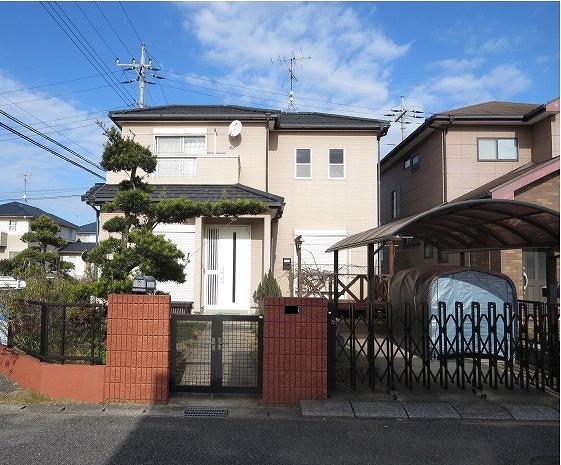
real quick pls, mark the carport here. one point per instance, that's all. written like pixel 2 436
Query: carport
pixel 466 226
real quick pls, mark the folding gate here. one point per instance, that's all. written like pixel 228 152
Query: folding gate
pixel 216 353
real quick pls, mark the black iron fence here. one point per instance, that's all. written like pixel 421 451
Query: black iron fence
pixel 480 346
pixel 60 332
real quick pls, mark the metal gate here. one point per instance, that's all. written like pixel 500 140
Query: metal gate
pixel 216 353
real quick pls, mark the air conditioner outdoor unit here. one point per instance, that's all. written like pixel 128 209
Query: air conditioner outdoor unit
pixel 3 239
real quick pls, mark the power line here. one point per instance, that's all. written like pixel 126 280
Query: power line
pixel 13 91
pixel 113 29
pixel 96 30
pixel 130 22
pixel 6 139
pixel 95 66
pixel 99 59
pixel 48 149
pixel 140 70
pixel 60 95
pixel 50 139
pixel 43 198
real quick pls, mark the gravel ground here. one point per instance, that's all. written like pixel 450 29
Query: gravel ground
pixel 6 385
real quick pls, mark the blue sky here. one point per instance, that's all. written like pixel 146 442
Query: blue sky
pixel 364 57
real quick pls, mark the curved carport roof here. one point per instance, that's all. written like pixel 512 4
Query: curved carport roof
pixel 482 224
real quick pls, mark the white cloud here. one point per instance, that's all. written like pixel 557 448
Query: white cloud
pixel 48 173
pixel 351 57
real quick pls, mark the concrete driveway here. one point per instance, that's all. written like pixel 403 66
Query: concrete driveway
pixel 43 436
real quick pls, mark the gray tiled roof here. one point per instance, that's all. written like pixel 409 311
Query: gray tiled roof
pixel 101 193
pixel 88 228
pixel 18 209
pixel 76 247
pixel 493 108
pixel 311 120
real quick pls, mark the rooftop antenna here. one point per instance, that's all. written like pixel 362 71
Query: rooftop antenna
pixel 26 177
pixel 403 114
pixel 292 62
pixel 141 75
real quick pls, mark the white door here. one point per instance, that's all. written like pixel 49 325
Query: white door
pixel 183 236
pixel 227 273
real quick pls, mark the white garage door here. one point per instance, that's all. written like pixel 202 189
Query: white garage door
pixel 316 242
pixel 182 235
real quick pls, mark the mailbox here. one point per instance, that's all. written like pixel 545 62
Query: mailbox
pixel 286 264
pixel 144 285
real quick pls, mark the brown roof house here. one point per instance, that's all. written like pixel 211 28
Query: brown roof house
pixel 496 150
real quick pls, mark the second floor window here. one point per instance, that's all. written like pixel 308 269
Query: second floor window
pixel 13 225
pixel 336 163
pixel 180 145
pixel 411 162
pixel 489 149
pixel 396 203
pixel 303 168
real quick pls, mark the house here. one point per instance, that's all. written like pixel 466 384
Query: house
pixel 73 252
pixel 490 150
pixel 15 221
pixel 317 173
pixel 87 232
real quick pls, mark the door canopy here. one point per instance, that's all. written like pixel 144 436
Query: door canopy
pixel 482 224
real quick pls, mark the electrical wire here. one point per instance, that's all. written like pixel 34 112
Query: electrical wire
pixel 50 139
pixel 113 29
pixel 48 149
pixel 130 22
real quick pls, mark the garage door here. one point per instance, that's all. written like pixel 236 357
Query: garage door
pixel 183 236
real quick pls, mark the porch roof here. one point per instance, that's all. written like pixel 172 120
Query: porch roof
pixel 481 224
pixel 101 193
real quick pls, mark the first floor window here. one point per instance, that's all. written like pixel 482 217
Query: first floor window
pixel 303 164
pixel 428 251
pixel 396 203
pixel 497 149
pixel 336 163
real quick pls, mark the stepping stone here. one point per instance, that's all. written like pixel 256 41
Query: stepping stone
pixel 532 412
pixel 326 408
pixel 428 410
pixel 481 411
pixel 379 410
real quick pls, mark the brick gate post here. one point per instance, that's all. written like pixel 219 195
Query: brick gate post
pixel 137 360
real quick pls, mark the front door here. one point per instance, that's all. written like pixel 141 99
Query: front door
pixel 227 271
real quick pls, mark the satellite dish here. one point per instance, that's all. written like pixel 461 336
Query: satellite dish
pixel 235 128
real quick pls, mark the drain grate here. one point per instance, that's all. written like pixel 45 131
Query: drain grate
pixel 206 412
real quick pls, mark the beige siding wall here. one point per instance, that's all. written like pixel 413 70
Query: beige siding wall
pixel 321 203
pixel 464 172
pixel 232 160
pixel 420 190
pixel 542 139
pixel 14 242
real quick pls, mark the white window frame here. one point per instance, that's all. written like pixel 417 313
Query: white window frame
pixel 181 156
pixel 496 140
pixel 329 164
pixel 12 225
pixel 296 163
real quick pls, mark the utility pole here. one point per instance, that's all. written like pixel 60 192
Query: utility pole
pixel 26 177
pixel 140 69
pixel 402 114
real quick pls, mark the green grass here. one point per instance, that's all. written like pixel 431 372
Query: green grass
pixel 25 397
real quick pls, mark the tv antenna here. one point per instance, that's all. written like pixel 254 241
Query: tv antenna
pixel 141 75
pixel 293 61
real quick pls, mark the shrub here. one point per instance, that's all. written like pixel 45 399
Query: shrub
pixel 268 287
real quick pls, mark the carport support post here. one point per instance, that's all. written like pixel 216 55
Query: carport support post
pixel 336 279
pixel 551 276
pixel 391 258
pixel 370 271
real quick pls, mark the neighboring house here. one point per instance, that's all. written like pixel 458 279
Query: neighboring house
pixel 489 150
pixel 87 232
pixel 316 172
pixel 73 253
pixel 15 221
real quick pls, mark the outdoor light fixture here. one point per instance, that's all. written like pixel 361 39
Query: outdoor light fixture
pixel 144 285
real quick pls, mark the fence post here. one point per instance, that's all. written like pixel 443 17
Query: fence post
pixel 353 341
pixel 331 351
pixel 43 345
pixel 63 334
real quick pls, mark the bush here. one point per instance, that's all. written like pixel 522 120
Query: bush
pixel 267 288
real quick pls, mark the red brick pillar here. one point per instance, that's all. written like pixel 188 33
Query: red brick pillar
pixel 294 350
pixel 137 362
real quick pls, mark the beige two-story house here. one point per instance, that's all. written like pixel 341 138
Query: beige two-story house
pixel 489 150
pixel 316 172
pixel 15 221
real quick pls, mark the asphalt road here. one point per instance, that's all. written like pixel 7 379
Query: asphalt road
pixel 121 439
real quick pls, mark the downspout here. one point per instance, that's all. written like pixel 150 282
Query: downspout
pixel 268 115
pixel 444 169
pixel 215 132
pixel 378 181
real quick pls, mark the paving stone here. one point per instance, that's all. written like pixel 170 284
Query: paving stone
pixel 430 410
pixel 532 412
pixel 326 408
pixel 481 411
pixel 379 410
